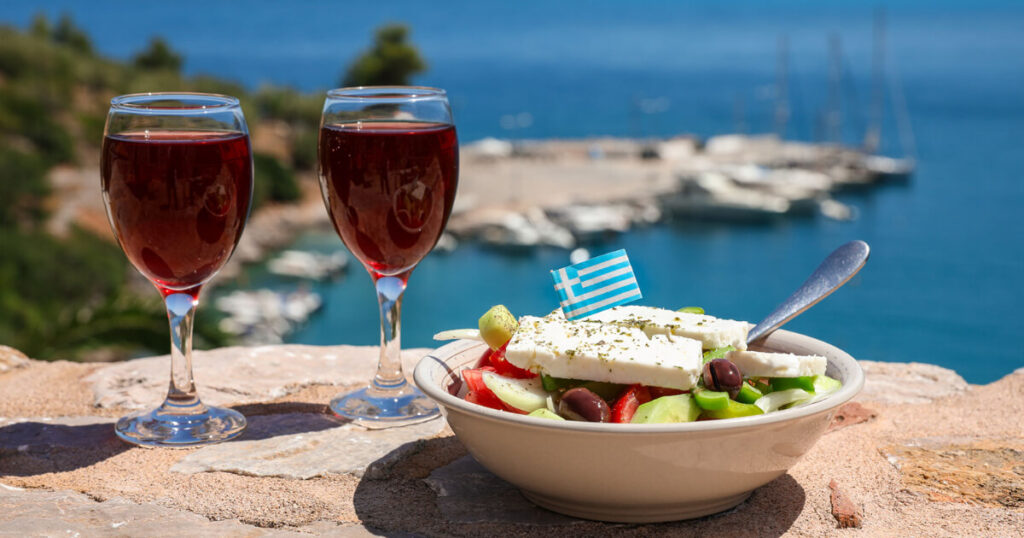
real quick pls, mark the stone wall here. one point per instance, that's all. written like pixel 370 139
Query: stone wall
pixel 920 452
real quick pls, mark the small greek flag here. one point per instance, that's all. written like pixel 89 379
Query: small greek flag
pixel 596 284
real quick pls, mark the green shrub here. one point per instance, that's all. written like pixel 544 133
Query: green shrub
pixel 158 56
pixel 304 148
pixel 23 187
pixel 274 182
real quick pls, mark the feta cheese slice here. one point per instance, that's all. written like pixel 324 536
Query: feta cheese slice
pixel 764 364
pixel 711 331
pixel 600 352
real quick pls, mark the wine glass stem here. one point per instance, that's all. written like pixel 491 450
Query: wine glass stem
pixel 181 395
pixel 389 368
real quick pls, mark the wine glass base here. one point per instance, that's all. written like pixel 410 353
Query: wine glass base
pixel 158 428
pixel 375 408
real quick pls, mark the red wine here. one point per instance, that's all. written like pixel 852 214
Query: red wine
pixel 177 201
pixel 389 188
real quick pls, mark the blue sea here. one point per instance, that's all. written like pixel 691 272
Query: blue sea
pixel 945 283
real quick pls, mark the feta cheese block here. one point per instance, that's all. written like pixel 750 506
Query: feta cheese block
pixel 711 331
pixel 599 352
pixel 764 364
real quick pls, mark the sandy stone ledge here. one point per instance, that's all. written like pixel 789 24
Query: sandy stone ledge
pixel 920 452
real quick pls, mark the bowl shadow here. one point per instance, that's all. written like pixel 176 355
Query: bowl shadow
pixel 462 497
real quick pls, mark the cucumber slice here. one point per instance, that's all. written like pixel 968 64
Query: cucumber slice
pixel 497 326
pixel 526 395
pixel 676 408
pixel 545 413
pixel 824 384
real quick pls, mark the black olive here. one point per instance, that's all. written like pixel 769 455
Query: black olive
pixel 724 376
pixel 582 404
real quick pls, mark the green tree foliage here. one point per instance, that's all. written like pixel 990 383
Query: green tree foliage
pixel 68 33
pixel 158 56
pixel 273 181
pixel 22 189
pixel 391 61
pixel 68 297
pixel 40 27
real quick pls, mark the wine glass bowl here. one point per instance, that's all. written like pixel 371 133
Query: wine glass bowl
pixel 388 166
pixel 177 182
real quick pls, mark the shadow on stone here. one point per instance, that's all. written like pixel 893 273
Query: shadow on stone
pixel 267 425
pixel 31 448
pixel 462 494
pixel 771 510
pixel 280 408
pixel 392 499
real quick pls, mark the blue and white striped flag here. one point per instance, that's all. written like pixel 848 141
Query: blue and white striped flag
pixel 597 284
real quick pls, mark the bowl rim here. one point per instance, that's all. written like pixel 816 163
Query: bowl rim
pixel 433 363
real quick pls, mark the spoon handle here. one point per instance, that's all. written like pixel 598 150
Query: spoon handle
pixel 836 270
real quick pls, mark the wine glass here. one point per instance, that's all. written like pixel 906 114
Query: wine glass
pixel 177 182
pixel 388 160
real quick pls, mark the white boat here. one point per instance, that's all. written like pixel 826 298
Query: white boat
pixel 888 168
pixel 714 196
pixel 310 265
pixel 266 316
pixel 591 222
pixel 518 231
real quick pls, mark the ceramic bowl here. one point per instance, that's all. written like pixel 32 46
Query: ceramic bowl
pixel 637 472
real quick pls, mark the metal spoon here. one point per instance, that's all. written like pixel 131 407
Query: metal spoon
pixel 836 270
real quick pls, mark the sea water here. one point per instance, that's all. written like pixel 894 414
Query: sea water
pixel 944 284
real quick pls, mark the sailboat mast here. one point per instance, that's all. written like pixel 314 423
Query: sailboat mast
pixel 782 87
pixel 834 115
pixel 873 134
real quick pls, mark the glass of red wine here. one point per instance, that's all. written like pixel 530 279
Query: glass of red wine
pixel 389 162
pixel 177 181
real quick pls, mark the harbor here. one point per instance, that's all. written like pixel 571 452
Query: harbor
pixel 569 193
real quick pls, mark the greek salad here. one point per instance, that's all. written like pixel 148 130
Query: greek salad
pixel 632 364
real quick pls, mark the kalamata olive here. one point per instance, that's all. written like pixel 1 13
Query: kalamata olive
pixel 722 375
pixel 582 404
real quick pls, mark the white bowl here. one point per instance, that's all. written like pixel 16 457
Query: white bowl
pixel 637 473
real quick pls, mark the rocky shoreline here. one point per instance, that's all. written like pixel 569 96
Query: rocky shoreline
pixel 918 452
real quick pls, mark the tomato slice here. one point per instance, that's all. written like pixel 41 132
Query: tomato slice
pixel 658 392
pixel 478 391
pixel 631 398
pixel 507 369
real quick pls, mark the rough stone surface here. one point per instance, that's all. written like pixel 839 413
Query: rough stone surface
pixel 67 513
pixel 988 472
pixel 908 382
pixel 236 375
pixel 11 358
pixel 469 493
pixel 936 461
pixel 339 449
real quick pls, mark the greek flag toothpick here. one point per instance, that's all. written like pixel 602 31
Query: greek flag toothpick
pixel 597 284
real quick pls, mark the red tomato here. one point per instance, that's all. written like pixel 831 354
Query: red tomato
pixel 480 394
pixel 658 392
pixel 631 398
pixel 478 391
pixel 507 369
